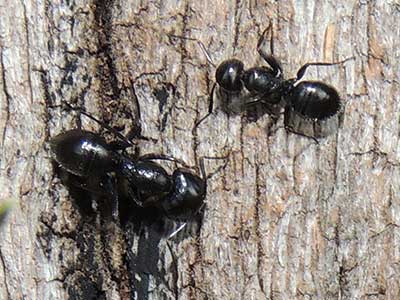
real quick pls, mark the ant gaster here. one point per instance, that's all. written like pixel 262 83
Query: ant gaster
pixel 88 155
pixel 313 100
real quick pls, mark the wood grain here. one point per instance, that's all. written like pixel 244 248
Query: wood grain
pixel 287 218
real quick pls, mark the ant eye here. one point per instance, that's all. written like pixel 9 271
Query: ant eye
pixel 228 75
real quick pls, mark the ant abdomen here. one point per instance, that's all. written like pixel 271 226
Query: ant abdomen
pixel 314 100
pixel 83 153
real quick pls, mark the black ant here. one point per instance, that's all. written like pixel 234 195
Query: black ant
pixel 310 100
pixel 88 156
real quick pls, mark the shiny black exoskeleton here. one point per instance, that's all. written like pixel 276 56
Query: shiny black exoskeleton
pixel 88 156
pixel 311 100
pixel 259 81
pixel 187 196
pixel 84 153
pixel 146 181
pixel 187 193
pixel 229 75
pixel 314 100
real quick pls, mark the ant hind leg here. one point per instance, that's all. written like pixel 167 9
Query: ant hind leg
pixel 293 124
pixel 303 69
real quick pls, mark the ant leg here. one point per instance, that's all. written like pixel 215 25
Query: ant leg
pixel 260 98
pixel 104 188
pixel 119 145
pixel 289 128
pixel 110 185
pixel 210 109
pixel 269 58
pixel 152 156
pixel 92 184
pixel 203 170
pixel 133 194
pixel 302 70
pixel 124 142
pixel 267 106
pixel 109 128
pixel 183 225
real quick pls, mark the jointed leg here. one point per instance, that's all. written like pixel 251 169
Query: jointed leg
pixel 302 70
pixel 210 108
pixel 269 58
pixel 209 60
pixel 152 156
pixel 104 187
pixel 289 127
pixel 126 142
pixel 202 168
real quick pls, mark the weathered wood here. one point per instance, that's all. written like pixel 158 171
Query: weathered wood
pixel 285 219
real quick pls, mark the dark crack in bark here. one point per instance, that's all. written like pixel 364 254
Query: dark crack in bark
pixel 3 266
pixel 7 97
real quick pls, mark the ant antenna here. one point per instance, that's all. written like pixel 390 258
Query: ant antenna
pixel 125 142
pixel 183 225
pixel 210 61
pixel 199 43
pixel 206 54
pixel 202 168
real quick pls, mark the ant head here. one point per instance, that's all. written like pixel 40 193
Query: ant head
pixel 229 75
pixel 187 197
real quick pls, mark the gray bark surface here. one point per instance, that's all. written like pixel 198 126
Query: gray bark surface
pixel 286 218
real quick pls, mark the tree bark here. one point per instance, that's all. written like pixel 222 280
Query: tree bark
pixel 285 218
